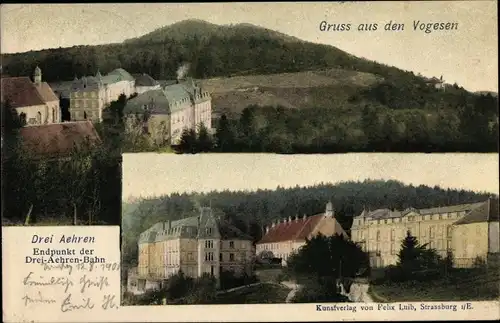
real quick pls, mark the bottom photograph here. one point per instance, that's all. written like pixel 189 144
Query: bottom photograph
pixel 260 229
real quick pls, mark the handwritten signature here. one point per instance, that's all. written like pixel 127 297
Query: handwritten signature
pixel 64 281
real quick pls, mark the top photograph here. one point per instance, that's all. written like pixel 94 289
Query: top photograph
pixel 287 78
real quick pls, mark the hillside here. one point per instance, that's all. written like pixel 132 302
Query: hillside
pixel 331 88
pixel 332 100
pixel 194 28
pixel 211 50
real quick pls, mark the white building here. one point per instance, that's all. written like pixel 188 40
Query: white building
pixel 35 102
pixel 90 95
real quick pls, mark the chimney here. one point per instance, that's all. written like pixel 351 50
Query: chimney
pixel 273 225
pixel 267 229
pixel 297 218
pixel 289 219
pixel 329 209
pixel 304 217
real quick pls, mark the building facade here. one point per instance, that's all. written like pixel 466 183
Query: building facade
pixel 380 232
pixel 34 101
pixel 283 238
pixel 178 106
pixel 90 95
pixel 197 245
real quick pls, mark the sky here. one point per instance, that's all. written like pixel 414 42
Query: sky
pixel 152 174
pixel 467 56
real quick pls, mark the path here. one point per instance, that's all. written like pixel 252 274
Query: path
pixel 359 293
pixel 294 288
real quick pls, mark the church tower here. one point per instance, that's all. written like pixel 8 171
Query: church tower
pixel 329 209
pixel 37 76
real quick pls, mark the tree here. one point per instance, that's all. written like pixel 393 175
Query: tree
pixel 205 142
pixel 416 261
pixel 188 143
pixel 328 257
pixel 410 254
pixel 225 138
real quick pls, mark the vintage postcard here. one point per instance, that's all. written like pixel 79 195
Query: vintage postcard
pixel 193 161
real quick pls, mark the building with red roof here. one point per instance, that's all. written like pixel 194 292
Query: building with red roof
pixel 35 102
pixel 56 141
pixel 282 238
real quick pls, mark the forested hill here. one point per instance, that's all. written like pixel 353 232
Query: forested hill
pixel 250 211
pixel 211 50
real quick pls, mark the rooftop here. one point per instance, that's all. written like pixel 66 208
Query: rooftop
pixel 59 139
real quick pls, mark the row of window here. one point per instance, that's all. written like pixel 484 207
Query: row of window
pixel 93 104
pixel 432 233
pixel 395 247
pixel 38 119
pixel 411 218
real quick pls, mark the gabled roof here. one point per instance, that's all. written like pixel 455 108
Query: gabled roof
pixel 192 228
pixel 59 139
pixel 297 229
pixel 388 214
pixel 144 80
pixel 155 100
pixel 20 92
pixel 46 92
pixel 484 212
pixel 117 75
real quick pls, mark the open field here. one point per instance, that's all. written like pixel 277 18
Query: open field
pixel 323 88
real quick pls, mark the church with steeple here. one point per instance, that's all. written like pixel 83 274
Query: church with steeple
pixel 33 99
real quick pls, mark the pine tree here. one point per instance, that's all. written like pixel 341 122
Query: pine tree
pixel 205 142
pixel 188 142
pixel 224 136
pixel 410 255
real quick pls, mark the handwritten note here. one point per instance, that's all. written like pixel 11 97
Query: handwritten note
pixel 60 272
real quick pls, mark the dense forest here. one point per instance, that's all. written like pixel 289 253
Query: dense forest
pixel 250 211
pixel 82 188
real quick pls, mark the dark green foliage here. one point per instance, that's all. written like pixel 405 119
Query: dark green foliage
pixel 324 290
pixel 333 257
pixel 229 279
pixel 194 142
pixel 415 262
pixel 188 143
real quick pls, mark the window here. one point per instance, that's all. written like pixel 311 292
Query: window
pixel 448 245
pixel 53 115
pixel 231 244
pixel 449 231
pixel 432 232
pixel 22 118
pixel 393 249
pixel 209 231
pixel 393 234
pixel 440 216
pixel 220 257
pixel 378 235
pixel 85 115
pixel 209 256
pixel 231 257
pixel 385 221
pixel 209 244
pixel 190 256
